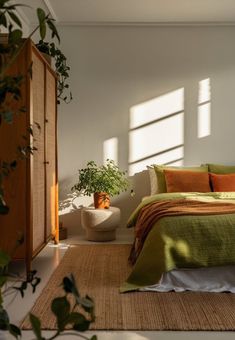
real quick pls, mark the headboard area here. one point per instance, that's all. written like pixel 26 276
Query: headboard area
pixel 141 184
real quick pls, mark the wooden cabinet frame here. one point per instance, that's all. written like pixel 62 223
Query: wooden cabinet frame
pixel 26 172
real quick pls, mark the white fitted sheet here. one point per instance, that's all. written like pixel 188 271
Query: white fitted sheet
pixel 212 279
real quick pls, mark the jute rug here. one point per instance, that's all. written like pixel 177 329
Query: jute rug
pixel 99 271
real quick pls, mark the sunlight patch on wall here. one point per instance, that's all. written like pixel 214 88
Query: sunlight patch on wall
pixel 157 132
pixel 204 109
pixel 157 108
pixel 172 157
pixel 110 150
pixel 156 137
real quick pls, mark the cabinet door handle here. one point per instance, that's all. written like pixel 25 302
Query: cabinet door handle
pixel 46 162
pixel 46 120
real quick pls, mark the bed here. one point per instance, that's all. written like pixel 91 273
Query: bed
pixel 188 243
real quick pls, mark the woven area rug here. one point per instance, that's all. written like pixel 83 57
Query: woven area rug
pixel 99 271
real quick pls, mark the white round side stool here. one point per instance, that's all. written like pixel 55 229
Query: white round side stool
pixel 100 224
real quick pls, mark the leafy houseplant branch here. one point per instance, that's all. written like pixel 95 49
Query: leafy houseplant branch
pixel 22 45
pixel 106 178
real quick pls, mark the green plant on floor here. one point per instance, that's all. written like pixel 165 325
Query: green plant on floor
pixel 10 93
pixel 68 313
pixel 106 178
pixel 79 314
pixel 62 69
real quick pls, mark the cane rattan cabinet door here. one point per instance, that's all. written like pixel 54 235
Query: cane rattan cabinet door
pixel 50 138
pixel 13 224
pixel 38 158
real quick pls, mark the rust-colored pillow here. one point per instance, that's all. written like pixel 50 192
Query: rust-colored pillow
pixel 223 183
pixel 187 181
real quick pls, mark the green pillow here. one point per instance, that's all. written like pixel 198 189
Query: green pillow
pixel 159 170
pixel 221 169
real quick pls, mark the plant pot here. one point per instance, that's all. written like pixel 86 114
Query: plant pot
pixel 101 200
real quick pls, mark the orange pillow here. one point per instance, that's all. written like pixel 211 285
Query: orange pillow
pixel 225 182
pixel 187 181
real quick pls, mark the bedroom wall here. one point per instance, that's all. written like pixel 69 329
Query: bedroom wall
pixel 141 86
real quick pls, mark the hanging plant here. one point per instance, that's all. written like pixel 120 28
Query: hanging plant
pixel 61 67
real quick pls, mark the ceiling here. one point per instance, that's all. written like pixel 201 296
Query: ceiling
pixel 78 12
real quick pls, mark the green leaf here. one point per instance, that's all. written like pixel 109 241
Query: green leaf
pixel 15 36
pixel 94 337
pixel 42 30
pixel 61 307
pixel 35 282
pixel 4 259
pixel 4 319
pixel 14 330
pixel 20 290
pixel 75 318
pixel 42 25
pixel 3 20
pixel 15 18
pixel 41 15
pixel 36 325
pixel 83 326
pixel 67 285
pixel 53 29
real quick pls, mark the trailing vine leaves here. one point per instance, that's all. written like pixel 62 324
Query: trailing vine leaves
pixel 62 69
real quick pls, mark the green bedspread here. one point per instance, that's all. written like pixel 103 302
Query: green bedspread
pixel 183 241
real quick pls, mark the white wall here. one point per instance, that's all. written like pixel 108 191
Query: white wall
pixel 116 68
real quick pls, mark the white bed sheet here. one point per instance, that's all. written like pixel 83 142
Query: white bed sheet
pixel 213 279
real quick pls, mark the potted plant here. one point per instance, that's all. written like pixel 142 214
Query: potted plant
pixel 50 50
pixel 102 181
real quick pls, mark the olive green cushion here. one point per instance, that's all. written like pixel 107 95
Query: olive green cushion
pixel 221 169
pixel 159 169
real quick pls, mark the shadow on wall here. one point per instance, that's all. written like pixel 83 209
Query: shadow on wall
pixel 156 136
pixel 70 206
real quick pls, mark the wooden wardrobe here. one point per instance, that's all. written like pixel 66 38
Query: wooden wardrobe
pixel 31 190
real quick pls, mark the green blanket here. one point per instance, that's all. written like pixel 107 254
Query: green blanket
pixel 183 241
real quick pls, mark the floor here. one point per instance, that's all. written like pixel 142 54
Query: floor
pixel 46 262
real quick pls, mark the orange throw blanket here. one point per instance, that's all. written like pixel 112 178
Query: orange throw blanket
pixel 152 212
